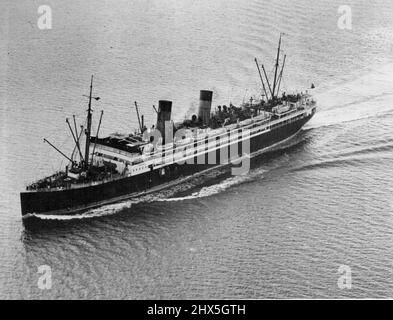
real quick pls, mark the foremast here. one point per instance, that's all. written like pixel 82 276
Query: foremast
pixel 276 68
pixel 84 164
pixel 88 129
pixel 274 87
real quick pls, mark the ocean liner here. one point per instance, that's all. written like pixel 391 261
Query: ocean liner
pixel 122 166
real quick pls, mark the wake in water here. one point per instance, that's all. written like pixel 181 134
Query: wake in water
pixel 368 96
pixel 215 188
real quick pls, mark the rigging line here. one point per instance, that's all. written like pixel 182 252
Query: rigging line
pixel 268 83
pixel 74 136
pixel 284 85
pixel 58 150
pixel 260 76
pixel 96 137
pixel 79 137
pixel 280 75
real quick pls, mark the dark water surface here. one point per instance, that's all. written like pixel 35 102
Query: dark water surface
pixel 319 202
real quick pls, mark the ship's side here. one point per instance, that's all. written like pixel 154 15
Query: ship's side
pixel 162 168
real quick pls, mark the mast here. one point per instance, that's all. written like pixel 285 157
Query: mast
pixel 88 129
pixel 277 62
pixel 280 76
pixel 137 114
pixel 260 76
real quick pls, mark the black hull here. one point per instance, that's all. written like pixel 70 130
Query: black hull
pixel 73 201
